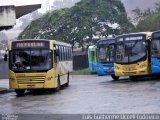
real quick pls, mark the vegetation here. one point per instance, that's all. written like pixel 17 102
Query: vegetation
pixel 80 23
pixel 81 72
pixel 147 20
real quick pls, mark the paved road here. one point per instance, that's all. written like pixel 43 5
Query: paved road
pixel 88 94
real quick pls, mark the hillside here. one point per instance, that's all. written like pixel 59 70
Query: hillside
pixel 129 4
pixel 142 4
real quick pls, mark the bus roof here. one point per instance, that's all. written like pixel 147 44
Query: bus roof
pixel 142 33
pixel 92 47
pixel 105 39
pixel 61 43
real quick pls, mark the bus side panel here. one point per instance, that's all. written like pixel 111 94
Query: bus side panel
pixel 155 65
pixel 63 69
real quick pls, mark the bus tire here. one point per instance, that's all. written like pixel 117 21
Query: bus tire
pixel 115 77
pixel 67 84
pixel 20 92
pixel 58 84
pixel 133 78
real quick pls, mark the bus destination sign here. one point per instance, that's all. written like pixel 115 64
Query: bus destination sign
pixel 30 44
pixel 134 38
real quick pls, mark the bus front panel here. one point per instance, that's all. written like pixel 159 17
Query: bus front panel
pixel 32 80
pixel 140 68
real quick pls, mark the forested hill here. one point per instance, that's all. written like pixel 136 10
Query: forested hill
pixel 81 23
pixel 89 18
pixel 129 4
pixel 142 4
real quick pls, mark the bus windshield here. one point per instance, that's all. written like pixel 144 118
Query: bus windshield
pixel 105 54
pixel 130 51
pixel 30 60
pixel 156 48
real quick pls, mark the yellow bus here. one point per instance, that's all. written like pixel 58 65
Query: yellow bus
pixel 39 64
pixel 133 55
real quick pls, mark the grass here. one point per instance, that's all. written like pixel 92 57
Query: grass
pixel 81 72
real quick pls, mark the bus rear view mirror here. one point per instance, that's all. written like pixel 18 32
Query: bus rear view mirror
pixel 119 57
pixel 5 57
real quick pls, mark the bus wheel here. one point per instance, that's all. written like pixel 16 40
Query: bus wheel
pixel 58 84
pixel 67 84
pixel 115 77
pixel 20 92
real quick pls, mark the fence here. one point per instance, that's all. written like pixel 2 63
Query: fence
pixel 80 60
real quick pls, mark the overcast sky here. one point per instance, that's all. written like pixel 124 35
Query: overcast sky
pixel 25 2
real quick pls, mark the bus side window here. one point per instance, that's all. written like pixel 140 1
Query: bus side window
pixel 64 50
pixel 60 53
pixel 55 54
pixel 56 51
pixel 71 56
pixel 66 53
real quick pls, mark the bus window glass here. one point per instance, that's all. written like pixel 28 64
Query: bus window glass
pixel 41 59
pixel 63 56
pixel 121 56
pixel 101 54
pixel 20 60
pixel 137 50
pixel 111 53
pixel 131 51
pixel 31 60
pixel 156 48
pixel 60 53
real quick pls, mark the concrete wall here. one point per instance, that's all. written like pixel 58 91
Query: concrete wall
pixel 7 15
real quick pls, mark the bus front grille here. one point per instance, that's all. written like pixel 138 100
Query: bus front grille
pixel 30 79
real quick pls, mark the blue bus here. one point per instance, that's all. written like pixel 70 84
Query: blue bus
pixel 155 52
pixel 92 58
pixel 105 57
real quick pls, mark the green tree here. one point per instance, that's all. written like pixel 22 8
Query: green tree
pixel 148 20
pixel 80 23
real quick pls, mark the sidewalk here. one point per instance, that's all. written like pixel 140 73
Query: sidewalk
pixel 4 86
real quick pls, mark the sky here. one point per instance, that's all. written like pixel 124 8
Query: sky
pixel 26 2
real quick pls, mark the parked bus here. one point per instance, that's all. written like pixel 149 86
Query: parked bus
pixel 92 58
pixel 39 64
pixel 155 52
pixel 133 55
pixel 105 57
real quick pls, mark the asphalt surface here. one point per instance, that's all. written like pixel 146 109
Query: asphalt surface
pixel 88 94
